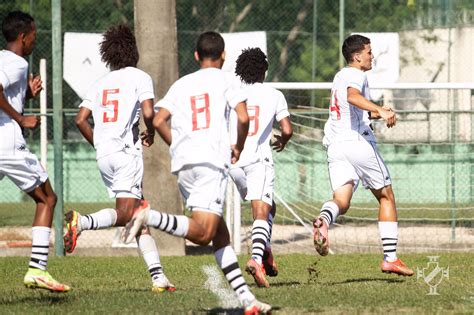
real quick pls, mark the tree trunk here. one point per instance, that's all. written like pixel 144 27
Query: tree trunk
pixel 155 30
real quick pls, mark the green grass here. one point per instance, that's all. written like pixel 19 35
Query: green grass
pixel 345 284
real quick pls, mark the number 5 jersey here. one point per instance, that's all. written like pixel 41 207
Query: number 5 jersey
pixel 115 102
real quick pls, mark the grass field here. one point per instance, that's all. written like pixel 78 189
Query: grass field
pixel 340 284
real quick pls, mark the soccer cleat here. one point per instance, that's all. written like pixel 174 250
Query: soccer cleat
pixel 321 240
pixel 73 231
pixel 140 216
pixel 41 279
pixel 256 307
pixel 258 273
pixel 271 268
pixel 398 267
pixel 162 284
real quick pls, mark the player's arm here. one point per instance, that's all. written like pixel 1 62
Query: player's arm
pixel 358 100
pixel 286 133
pixel 23 121
pixel 160 123
pixel 35 85
pixel 83 124
pixel 148 135
pixel 242 130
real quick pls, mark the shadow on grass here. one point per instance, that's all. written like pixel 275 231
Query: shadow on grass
pixel 366 280
pixel 36 299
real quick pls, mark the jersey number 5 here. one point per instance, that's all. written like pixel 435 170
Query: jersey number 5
pixel 110 106
pixel 334 106
pixel 254 113
pixel 201 113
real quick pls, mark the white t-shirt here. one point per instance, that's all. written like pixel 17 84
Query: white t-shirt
pixel 264 105
pixel 14 80
pixel 199 104
pixel 115 101
pixel 347 122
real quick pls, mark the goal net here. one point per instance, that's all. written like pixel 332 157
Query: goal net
pixel 429 155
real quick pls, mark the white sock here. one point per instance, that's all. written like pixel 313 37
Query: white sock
pixel 102 219
pixel 260 236
pixel 329 212
pixel 40 247
pixel 177 225
pixel 150 254
pixel 389 235
pixel 227 261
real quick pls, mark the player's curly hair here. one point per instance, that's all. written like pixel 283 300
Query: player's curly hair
pixel 251 65
pixel 16 22
pixel 119 47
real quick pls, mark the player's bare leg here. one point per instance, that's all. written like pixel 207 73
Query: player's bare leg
pixel 269 263
pixel 37 275
pixel 388 229
pixel 329 211
pixel 260 236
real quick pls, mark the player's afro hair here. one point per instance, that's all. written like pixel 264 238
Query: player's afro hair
pixel 251 65
pixel 119 48
pixel 14 23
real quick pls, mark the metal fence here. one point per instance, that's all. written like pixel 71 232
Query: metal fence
pixel 303 44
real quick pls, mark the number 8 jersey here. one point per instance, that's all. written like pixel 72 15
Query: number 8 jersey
pixel 115 102
pixel 347 122
pixel 199 105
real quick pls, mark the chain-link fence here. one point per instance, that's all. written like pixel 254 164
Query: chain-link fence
pixel 303 44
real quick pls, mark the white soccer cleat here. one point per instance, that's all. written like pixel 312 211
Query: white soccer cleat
pixel 140 216
pixel 162 284
pixel 256 307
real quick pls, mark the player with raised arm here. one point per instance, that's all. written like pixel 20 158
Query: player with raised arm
pixel 253 174
pixel 16 161
pixel 198 105
pixel 353 155
pixel 115 102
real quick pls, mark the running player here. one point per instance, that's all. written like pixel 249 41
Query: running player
pixel 353 155
pixel 253 174
pixel 16 161
pixel 198 105
pixel 115 102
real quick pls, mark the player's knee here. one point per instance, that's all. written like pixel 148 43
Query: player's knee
pixel 51 200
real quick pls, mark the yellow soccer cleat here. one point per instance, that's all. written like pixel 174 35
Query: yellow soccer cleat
pixel 72 231
pixel 41 279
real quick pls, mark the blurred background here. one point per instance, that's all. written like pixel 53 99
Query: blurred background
pixel 429 154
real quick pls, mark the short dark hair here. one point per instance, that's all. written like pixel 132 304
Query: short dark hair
pixel 119 47
pixel 353 44
pixel 15 23
pixel 210 45
pixel 251 65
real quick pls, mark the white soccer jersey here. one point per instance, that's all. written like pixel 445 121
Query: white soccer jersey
pixel 347 122
pixel 14 80
pixel 115 102
pixel 199 104
pixel 264 105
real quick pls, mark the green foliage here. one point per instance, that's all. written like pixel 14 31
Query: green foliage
pixel 306 284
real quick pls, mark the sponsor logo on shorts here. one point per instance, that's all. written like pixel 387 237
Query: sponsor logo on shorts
pixel 218 201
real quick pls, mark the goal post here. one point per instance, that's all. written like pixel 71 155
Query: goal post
pixel 429 155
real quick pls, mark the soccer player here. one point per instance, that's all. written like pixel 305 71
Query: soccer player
pixel 198 105
pixel 253 174
pixel 16 161
pixel 115 102
pixel 353 155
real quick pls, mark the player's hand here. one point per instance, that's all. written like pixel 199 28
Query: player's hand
pixel 35 85
pixel 278 144
pixel 29 122
pixel 235 154
pixel 147 138
pixel 388 115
